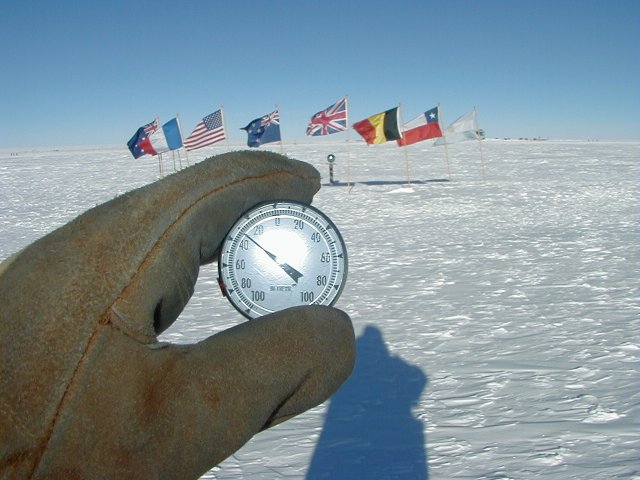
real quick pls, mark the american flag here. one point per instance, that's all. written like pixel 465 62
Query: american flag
pixel 209 131
pixel 330 120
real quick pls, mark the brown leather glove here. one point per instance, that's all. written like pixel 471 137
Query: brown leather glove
pixel 86 390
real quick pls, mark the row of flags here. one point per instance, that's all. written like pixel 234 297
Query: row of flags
pixel 384 127
pixel 153 139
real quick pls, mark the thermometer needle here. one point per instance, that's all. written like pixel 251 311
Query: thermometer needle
pixel 288 269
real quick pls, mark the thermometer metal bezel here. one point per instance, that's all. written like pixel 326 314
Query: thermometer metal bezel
pixel 245 308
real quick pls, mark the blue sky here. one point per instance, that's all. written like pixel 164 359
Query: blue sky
pixel 90 73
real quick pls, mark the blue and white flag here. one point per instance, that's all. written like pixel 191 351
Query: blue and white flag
pixel 263 130
pixel 164 139
pixel 172 133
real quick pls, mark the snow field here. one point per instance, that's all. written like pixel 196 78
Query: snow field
pixel 497 323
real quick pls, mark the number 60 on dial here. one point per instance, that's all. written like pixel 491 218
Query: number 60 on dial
pixel 279 255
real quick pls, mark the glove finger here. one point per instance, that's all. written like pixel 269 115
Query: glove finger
pixel 133 261
pixel 178 411
pixel 119 267
pixel 196 226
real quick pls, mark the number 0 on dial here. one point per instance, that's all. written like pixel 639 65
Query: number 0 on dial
pixel 279 255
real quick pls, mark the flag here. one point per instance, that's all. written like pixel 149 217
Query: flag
pixel 330 120
pixel 421 128
pixel 209 131
pixel 379 128
pixel 263 130
pixel 163 139
pixel 172 134
pixel 141 134
pixel 464 128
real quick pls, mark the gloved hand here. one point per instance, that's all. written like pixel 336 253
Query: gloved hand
pixel 86 390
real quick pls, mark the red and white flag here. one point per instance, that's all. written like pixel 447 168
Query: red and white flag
pixel 421 128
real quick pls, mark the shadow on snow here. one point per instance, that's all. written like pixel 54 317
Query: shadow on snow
pixel 370 431
pixel 384 182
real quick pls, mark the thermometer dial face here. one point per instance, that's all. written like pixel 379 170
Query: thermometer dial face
pixel 279 255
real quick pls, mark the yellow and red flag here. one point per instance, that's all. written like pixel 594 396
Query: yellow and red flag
pixel 379 128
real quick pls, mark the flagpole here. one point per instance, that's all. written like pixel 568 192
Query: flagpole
pixel 179 159
pixel 475 114
pixel 160 165
pixel 160 162
pixel 224 127
pixel 406 155
pixel 157 120
pixel 185 150
pixel 446 147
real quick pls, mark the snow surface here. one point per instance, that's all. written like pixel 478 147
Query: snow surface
pixel 498 324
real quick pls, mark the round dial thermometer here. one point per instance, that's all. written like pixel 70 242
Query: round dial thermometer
pixel 279 255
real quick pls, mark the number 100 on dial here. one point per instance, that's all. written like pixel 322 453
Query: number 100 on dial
pixel 280 255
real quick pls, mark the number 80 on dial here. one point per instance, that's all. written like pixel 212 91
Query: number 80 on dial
pixel 279 255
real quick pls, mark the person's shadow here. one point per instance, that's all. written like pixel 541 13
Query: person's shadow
pixel 370 431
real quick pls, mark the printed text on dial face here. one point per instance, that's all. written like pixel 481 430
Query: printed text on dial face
pixel 283 256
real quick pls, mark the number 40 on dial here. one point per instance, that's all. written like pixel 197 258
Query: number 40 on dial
pixel 279 255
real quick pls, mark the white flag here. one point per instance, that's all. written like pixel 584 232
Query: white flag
pixel 464 128
pixel 158 142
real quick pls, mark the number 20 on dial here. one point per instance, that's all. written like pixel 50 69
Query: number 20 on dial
pixel 279 255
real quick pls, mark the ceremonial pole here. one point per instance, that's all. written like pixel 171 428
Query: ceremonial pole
pixel 406 155
pixel 160 167
pixel 181 140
